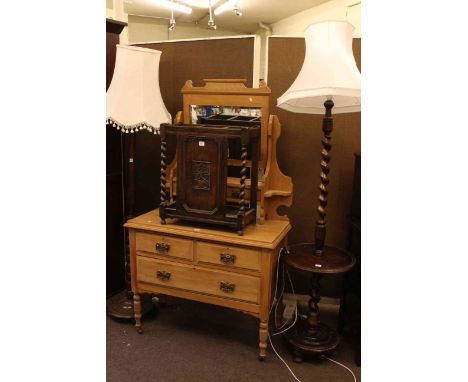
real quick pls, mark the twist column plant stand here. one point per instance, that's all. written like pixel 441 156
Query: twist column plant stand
pixel 310 336
pixel 329 79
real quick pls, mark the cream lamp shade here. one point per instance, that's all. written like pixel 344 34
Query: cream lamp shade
pixel 133 100
pixel 329 72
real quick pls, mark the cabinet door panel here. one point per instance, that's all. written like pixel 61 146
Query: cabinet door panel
pixel 201 190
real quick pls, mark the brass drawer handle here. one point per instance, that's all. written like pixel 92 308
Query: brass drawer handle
pixel 227 287
pixel 163 275
pixel 226 258
pixel 162 247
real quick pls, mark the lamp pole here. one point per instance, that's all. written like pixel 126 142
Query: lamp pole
pixel 321 224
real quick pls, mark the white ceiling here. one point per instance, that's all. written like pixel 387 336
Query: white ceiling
pixel 266 11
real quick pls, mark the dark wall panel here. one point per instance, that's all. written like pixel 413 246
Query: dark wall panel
pixel 199 59
pixel 299 149
pixel 182 61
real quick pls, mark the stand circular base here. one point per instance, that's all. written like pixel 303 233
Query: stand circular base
pixel 122 308
pixel 316 341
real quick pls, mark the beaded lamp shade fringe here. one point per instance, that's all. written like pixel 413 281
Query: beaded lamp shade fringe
pixel 132 128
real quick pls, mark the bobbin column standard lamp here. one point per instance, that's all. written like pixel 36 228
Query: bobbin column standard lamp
pixel 329 79
pixel 133 104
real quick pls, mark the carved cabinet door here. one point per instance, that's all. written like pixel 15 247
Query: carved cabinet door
pixel 202 173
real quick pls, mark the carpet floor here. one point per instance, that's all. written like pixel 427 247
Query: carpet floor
pixel 194 342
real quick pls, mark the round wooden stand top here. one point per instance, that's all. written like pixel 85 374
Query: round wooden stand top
pixel 332 260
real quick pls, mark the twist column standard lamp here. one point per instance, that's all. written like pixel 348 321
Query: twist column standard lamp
pixel 329 79
pixel 133 104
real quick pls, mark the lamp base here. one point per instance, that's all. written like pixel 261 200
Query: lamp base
pixel 311 340
pixel 310 336
pixel 121 307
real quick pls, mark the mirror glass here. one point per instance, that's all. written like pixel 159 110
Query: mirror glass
pixel 224 115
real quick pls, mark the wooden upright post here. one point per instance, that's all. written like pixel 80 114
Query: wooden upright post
pixel 321 225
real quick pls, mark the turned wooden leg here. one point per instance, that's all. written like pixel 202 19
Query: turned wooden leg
pixel 263 339
pixel 137 310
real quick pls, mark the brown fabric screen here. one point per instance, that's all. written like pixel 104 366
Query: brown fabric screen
pixel 182 61
pixel 199 59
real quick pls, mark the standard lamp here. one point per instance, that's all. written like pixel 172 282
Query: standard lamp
pixel 134 104
pixel 329 79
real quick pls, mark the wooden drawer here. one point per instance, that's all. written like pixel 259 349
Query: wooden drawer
pixel 228 256
pixel 164 245
pixel 188 277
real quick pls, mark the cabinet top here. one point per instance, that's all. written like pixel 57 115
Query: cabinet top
pixel 221 130
pixel 267 235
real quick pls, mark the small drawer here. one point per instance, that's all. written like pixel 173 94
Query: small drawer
pixel 229 256
pixel 164 245
pixel 194 279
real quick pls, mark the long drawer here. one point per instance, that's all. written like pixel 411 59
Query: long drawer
pixel 164 245
pixel 228 256
pixel 188 277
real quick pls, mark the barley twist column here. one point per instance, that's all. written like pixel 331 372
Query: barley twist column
pixel 243 175
pixel 313 317
pixel 163 198
pixel 321 226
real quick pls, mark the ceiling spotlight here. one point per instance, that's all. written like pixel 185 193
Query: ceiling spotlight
pixel 211 23
pixel 171 25
pixel 172 20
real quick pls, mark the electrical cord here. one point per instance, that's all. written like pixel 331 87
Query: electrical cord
pixel 346 367
pixel 282 360
pixel 275 304
pixel 275 301
pixel 295 309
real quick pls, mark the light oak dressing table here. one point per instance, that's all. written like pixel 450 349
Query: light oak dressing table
pixel 207 264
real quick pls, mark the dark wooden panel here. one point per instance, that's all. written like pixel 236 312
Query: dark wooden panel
pixel 199 59
pixel 147 170
pixel 115 266
pixel 299 154
pixel 113 30
pixel 111 41
pixel 356 201
pixel 202 189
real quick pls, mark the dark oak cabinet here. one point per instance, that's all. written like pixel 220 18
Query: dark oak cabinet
pixel 203 158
